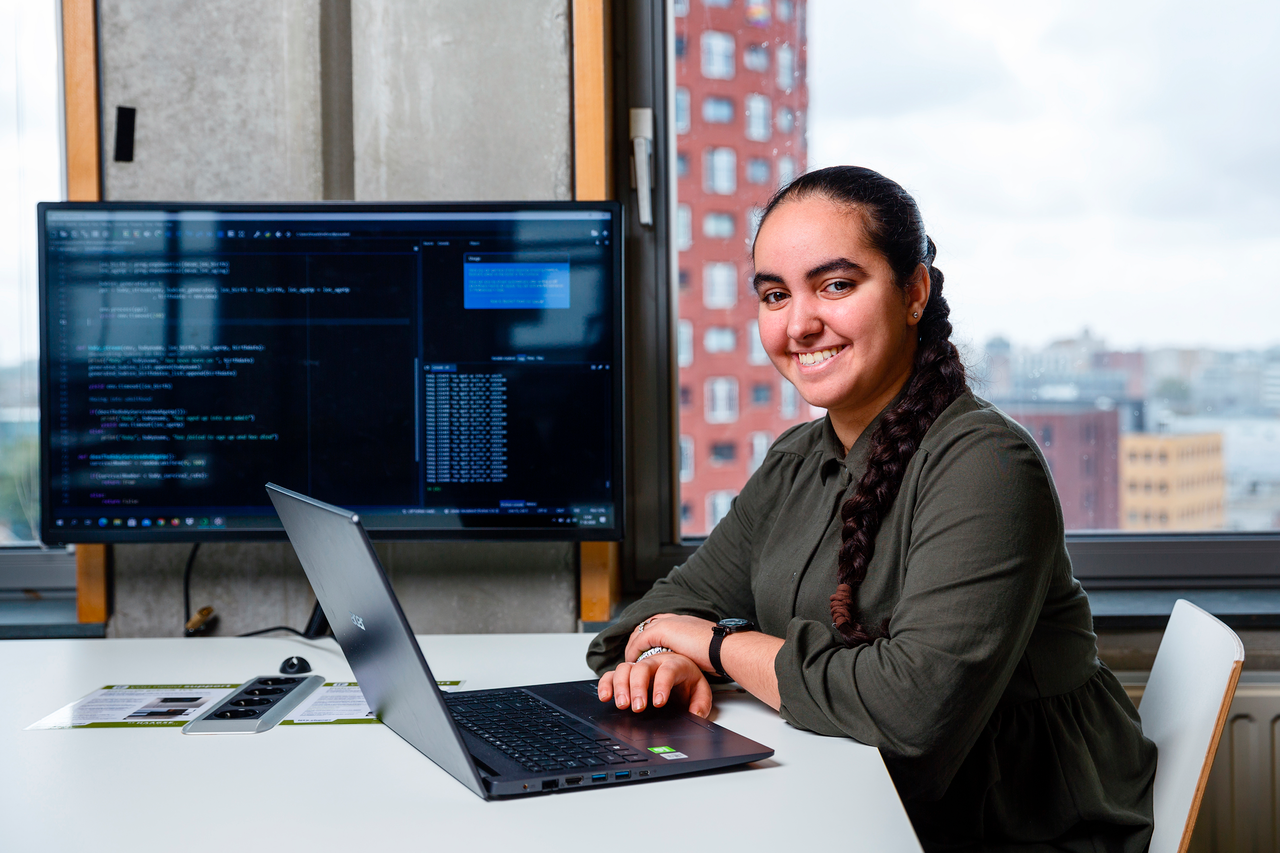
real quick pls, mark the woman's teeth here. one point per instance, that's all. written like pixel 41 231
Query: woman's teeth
pixel 819 356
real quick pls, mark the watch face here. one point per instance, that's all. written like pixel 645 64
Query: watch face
pixel 734 624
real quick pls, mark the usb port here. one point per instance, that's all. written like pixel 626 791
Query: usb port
pixel 573 780
pixel 550 784
pixel 622 774
pixel 643 773
pixel 599 777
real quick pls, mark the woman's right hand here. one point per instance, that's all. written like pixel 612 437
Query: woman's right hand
pixel 672 677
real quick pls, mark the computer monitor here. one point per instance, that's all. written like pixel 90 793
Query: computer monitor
pixel 445 370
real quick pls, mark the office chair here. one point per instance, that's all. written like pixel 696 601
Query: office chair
pixel 1184 710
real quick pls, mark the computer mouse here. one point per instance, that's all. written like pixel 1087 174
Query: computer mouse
pixel 295 665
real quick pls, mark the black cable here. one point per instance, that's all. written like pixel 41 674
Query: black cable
pixel 277 628
pixel 186 586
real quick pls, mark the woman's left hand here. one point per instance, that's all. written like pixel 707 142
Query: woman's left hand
pixel 687 635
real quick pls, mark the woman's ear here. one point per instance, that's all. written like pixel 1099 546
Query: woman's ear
pixel 917 293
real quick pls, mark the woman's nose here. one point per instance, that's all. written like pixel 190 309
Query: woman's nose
pixel 804 321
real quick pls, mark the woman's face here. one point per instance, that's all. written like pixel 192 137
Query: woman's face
pixel 831 317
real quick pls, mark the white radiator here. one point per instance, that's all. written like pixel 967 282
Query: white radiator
pixel 1240 812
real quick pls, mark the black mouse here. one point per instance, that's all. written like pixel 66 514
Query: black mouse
pixel 295 665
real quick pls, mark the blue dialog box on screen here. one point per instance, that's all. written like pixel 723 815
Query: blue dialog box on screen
pixel 515 281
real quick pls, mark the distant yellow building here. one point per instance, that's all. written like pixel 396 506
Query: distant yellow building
pixel 1172 482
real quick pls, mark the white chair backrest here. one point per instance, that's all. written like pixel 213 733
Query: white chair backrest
pixel 1184 708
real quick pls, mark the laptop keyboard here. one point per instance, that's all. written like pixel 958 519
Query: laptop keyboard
pixel 534 734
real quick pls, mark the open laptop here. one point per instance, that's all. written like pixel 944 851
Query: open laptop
pixel 524 740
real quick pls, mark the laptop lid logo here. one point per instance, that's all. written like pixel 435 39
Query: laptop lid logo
pixel 357 621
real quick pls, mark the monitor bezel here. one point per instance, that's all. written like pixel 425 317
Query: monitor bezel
pixel 54 536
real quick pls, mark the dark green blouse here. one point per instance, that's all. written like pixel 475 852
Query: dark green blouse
pixel 987 700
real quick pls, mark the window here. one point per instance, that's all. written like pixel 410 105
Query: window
pixel 684 227
pixel 720 285
pixel 760 443
pixel 753 224
pixel 682 47
pixel 682 165
pixel 719 339
pixel 723 452
pixel 786 170
pixel 761 394
pixel 755 57
pixel 686 458
pixel 758 170
pixel 786 67
pixel 680 8
pixel 757 354
pixel 682 110
pixel 722 400
pixel 717 110
pixel 786 120
pixel 717 225
pixel 790 399
pixel 717 55
pixel 684 343
pixel 718 504
pixel 720 171
pixel 759 125
pixel 30 134
pixel 785 10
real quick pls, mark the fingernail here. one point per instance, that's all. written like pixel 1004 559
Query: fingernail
pixel 638 704
pixel 658 698
pixel 622 700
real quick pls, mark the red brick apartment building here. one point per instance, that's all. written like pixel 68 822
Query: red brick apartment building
pixel 740 110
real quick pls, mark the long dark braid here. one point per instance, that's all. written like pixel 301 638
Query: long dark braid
pixel 894 227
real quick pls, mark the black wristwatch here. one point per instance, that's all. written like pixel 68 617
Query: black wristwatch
pixel 722 629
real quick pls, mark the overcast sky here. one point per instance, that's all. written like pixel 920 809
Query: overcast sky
pixel 1114 165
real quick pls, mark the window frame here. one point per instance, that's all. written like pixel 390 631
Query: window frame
pixel 645 76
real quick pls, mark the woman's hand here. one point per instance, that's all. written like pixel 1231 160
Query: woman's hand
pixel 671 675
pixel 686 635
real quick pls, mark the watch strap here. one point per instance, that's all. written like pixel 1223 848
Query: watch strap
pixel 713 652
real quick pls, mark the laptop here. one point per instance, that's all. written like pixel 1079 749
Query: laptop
pixel 499 743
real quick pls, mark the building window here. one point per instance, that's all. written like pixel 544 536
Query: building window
pixel 718 504
pixel 682 110
pixel 786 120
pixel 720 285
pixel 786 67
pixel 723 452
pixel 786 10
pixel 682 46
pixel 682 165
pixel 758 170
pixel 684 343
pixel 719 339
pixel 684 227
pixel 754 215
pixel 717 225
pixel 717 110
pixel 720 171
pixel 756 353
pixel 680 8
pixel 786 170
pixel 755 57
pixel 686 458
pixel 686 396
pixel 717 55
pixel 1046 436
pixel 790 399
pixel 721 405
pixel 683 277
pixel 760 443
pixel 761 394
pixel 717 4
pixel 759 127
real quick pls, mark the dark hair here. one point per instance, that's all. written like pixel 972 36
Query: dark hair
pixel 894 228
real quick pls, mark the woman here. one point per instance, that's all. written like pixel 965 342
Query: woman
pixel 903 558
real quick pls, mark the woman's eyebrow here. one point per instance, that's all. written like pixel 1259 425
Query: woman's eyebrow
pixel 837 265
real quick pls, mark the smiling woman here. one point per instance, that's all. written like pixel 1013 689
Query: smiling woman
pixel 903 557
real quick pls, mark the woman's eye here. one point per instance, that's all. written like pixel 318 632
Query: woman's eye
pixel 839 286
pixel 773 297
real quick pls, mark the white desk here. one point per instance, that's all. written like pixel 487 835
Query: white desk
pixel 363 788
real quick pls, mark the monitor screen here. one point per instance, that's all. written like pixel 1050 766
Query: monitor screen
pixel 444 370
